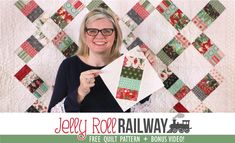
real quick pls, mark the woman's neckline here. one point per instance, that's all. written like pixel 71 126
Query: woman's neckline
pixel 91 66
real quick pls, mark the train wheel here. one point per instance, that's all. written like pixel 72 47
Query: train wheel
pixel 181 130
pixel 170 131
pixel 186 130
pixel 174 130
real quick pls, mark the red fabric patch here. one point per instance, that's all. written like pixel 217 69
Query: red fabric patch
pixel 174 19
pixel 124 93
pixel 205 46
pixel 182 92
pixel 160 9
pixel 65 15
pixel 166 3
pixel 78 4
pixel 29 49
pixel 180 108
pixel 143 46
pixel 141 11
pixel 27 9
pixel 22 73
pixel 205 87
pixel 163 6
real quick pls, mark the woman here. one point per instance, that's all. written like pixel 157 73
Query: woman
pixel 78 86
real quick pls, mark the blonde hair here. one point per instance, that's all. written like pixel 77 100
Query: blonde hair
pixel 97 14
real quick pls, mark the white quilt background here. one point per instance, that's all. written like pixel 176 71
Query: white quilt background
pixel 154 31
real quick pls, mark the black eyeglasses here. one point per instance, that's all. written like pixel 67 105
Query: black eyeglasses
pixel 104 32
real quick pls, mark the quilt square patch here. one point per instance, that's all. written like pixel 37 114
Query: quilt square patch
pixel 176 86
pixel 173 14
pixel 137 14
pixel 204 88
pixel 30 80
pixel 65 44
pixel 30 9
pixel 26 7
pixel 67 13
pixel 173 49
pixel 32 46
pixel 130 78
pixel 208 14
pixel 208 49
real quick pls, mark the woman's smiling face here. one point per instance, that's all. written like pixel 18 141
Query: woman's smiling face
pixel 100 43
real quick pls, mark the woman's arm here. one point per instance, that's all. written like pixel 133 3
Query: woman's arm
pixel 60 91
pixel 60 88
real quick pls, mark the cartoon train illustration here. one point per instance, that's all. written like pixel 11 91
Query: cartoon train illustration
pixel 181 127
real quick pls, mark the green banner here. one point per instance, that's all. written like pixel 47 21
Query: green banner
pixel 118 139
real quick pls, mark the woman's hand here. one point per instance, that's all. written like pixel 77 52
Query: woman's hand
pixel 87 81
pixel 150 56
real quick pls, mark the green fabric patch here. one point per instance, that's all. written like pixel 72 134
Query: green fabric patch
pixel 217 6
pixel 170 11
pixel 132 73
pixel 211 52
pixel 147 5
pixel 129 83
pixel 182 22
pixel 178 48
pixel 201 39
pixel 94 4
pixel 176 87
pixel 70 9
pixel 164 58
pixel 205 17
pixel 24 56
pixel 19 4
pixel 67 41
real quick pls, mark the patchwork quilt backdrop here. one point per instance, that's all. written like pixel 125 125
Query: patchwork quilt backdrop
pixel 192 41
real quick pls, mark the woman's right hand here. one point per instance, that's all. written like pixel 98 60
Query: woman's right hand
pixel 87 81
